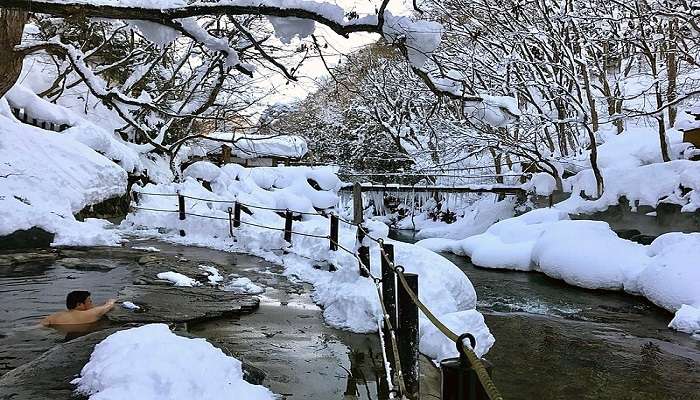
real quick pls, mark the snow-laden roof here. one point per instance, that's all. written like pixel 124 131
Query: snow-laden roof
pixel 254 146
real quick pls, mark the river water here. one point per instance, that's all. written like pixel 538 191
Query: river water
pixel 555 341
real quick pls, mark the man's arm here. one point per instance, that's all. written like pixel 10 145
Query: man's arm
pixel 99 311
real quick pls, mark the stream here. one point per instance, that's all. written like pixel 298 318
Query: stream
pixel 556 341
pixel 553 341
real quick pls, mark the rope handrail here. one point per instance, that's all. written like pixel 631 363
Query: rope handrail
pixel 229 202
pixel 474 360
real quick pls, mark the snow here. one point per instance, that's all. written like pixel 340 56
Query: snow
pixel 159 34
pixel 437 346
pixel 213 274
pixel 177 279
pixel 687 320
pixel 243 286
pixel 643 185
pixel 147 248
pixel 251 146
pixel 288 27
pixel 589 254
pixel 130 306
pixel 152 363
pixel 542 184
pixel 45 178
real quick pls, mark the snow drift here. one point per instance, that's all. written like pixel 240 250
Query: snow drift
pixel 589 254
pixel 152 363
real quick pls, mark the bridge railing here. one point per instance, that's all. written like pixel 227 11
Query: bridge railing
pixel 22 115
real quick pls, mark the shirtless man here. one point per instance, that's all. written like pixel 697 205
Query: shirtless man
pixel 80 310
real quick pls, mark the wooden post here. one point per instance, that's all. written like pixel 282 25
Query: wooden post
pixel 460 382
pixel 288 227
pixel 43 124
pixel 363 254
pixel 357 203
pixel 389 296
pixel 135 197
pixel 225 154
pixel 230 221
pixel 52 126
pixel 25 117
pixel 181 209
pixel 236 214
pixel 407 315
pixel 334 233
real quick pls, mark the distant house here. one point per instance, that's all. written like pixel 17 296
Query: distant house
pixel 691 129
pixel 251 150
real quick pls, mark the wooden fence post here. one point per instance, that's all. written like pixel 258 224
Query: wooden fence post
pixel 407 315
pixel 357 203
pixel 363 254
pixel 230 221
pixel 389 296
pixel 334 233
pixel 236 214
pixel 181 210
pixel 288 227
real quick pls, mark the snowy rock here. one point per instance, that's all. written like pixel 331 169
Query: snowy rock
pixel 687 320
pixel 152 363
pixel 243 286
pixel 178 279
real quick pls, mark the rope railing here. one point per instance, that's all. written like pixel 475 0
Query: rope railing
pixel 474 360
pixel 364 267
pixel 231 202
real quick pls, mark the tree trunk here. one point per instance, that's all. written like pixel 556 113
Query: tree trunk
pixel 672 71
pixel 11 26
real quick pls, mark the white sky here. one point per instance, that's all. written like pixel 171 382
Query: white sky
pixel 313 69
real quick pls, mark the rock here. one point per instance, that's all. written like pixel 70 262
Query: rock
pixel 29 257
pixel 49 376
pixel 643 239
pixel 32 238
pixel 627 233
pixel 150 259
pixel 82 265
pixel 181 304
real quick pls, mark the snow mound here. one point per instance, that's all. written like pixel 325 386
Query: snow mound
pixel 589 254
pixel 243 286
pixel 46 177
pixel 152 363
pixel 251 146
pixel 177 279
pixel 675 182
pixel 437 346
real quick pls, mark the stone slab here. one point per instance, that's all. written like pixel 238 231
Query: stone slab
pixel 180 304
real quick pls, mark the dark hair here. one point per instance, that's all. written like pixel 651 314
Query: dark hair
pixel 76 297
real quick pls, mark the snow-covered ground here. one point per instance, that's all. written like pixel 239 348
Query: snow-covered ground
pixel 349 301
pixel 151 362
pixel 45 178
pixel 589 254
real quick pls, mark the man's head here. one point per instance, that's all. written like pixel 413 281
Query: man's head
pixel 79 300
